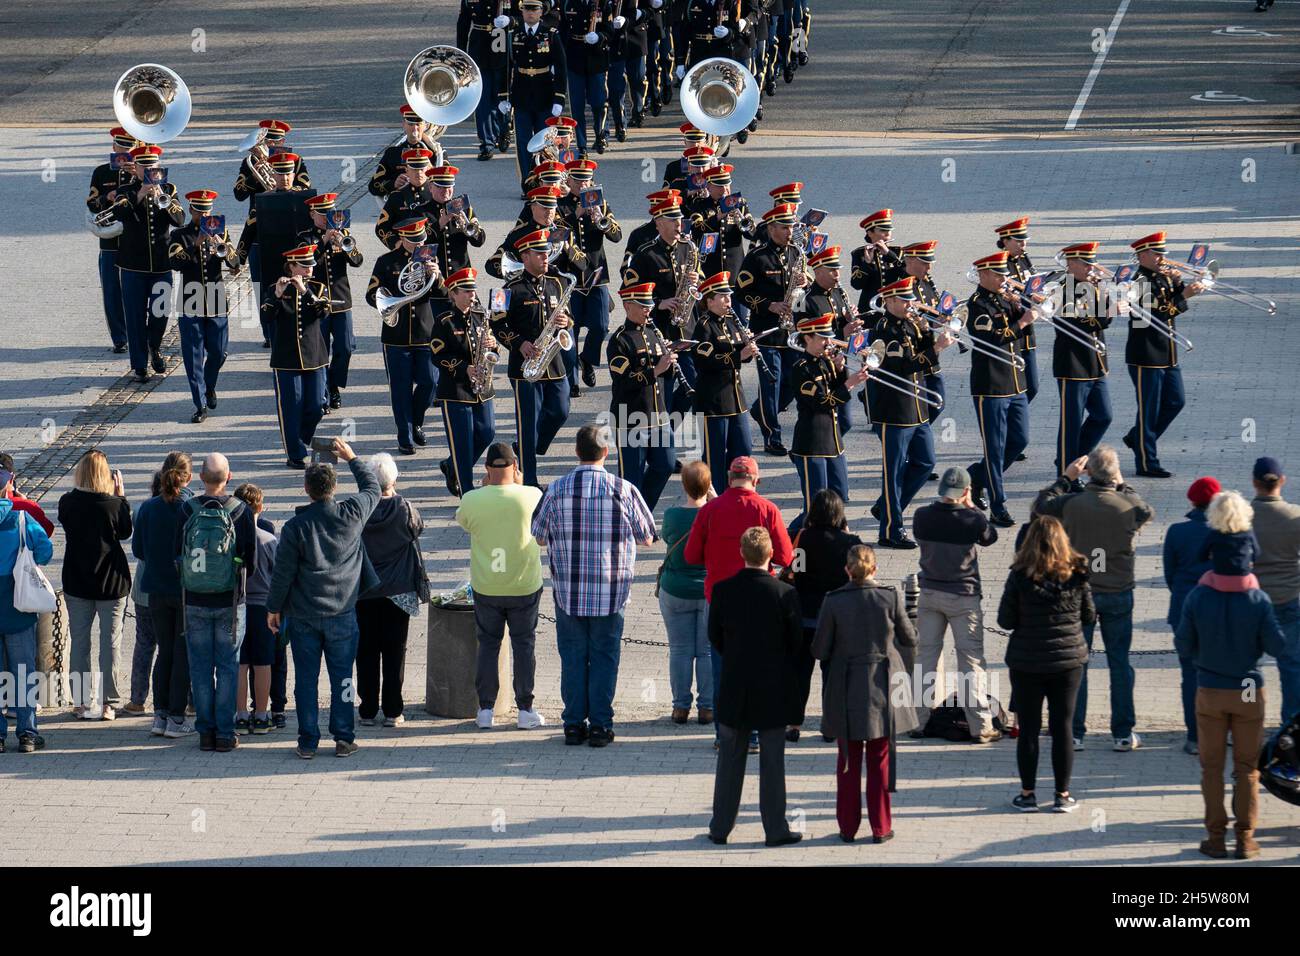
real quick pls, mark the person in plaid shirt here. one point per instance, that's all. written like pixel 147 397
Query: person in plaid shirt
pixel 590 523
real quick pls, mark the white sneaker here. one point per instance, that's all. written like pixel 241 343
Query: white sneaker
pixel 1078 744
pixel 159 727
pixel 485 718
pixel 395 721
pixel 528 719
pixel 175 730
pixel 109 714
pixel 1125 744
pixel 91 713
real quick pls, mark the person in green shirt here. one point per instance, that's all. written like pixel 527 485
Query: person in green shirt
pixel 505 574
pixel 682 604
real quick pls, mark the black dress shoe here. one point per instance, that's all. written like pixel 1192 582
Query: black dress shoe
pixel 449 476
pixel 883 838
pixel 788 75
pixel 405 450
pixel 484 153
pixel 719 840
pixel 417 433
pixel 157 363
pixel 655 106
pixel 141 374
pixel 575 735
pixel 266 343
pixel 325 409
pixel 298 464
pixel 792 735
pixel 336 399
pixel 1155 473
pixel 1128 439
pixel 575 391
pixel 212 398
pixel 758 118
pixel 875 511
pixel 199 415
pixel 588 373
pixel 620 134
pixel 786 840
pixel 742 137
pixel 934 476
pixel 769 88
pixel 901 543
pixel 1022 457
pixel 803 59
pixel 775 448
pixel 979 496
pixel 677 466
pixel 119 349
pixel 1003 519
pixel 634 120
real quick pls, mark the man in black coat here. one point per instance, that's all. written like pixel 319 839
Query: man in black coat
pixel 755 623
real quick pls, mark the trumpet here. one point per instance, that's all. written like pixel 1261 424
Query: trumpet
pixel 874 356
pixel 954 323
pixel 1208 278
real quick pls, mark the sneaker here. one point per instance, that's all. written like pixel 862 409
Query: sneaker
pixel 1191 748
pixel 226 744
pixel 261 725
pixel 1078 744
pixel 575 735
pixel 175 729
pixel 207 742
pixel 243 726
pixel 369 721
pixel 108 713
pixel 159 727
pixel 530 719
pixel 1064 803
pixel 30 743
pixel 304 753
pixel 394 721
pixel 1025 804
pixel 278 721
pixel 484 719
pixel 130 709
pixel 600 737
pixel 345 748
pixel 1125 744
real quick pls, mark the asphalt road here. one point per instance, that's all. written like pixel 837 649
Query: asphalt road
pixel 999 67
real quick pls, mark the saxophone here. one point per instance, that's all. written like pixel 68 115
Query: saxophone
pixel 686 269
pixel 482 360
pixel 553 338
pixel 796 264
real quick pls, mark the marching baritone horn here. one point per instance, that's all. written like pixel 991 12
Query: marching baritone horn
pixel 443 85
pixel 152 103
pixel 719 96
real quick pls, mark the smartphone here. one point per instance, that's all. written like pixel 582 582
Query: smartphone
pixel 322 451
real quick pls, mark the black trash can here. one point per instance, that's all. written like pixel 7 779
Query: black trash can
pixel 451 659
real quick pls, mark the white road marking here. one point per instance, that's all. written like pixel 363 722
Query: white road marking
pixel 1075 113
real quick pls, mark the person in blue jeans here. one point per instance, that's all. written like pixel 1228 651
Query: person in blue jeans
pixel 1277 530
pixel 320 570
pixel 18 628
pixel 682 604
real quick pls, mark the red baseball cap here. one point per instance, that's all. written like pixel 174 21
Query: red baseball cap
pixel 744 465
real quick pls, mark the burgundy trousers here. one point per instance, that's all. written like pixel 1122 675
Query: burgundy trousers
pixel 848 786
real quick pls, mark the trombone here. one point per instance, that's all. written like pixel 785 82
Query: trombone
pixel 954 323
pixel 1042 305
pixel 872 357
pixel 1208 277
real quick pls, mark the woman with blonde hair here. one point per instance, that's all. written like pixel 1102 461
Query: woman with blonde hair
pixel 1045 604
pixel 1230 547
pixel 96 519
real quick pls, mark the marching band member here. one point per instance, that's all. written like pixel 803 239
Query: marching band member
pixel 790 194
pixel 874 263
pixel 589 227
pixel 540 213
pixel 332 270
pixel 720 350
pixel 586 55
pixel 144 262
pixel 283 172
pixel 411 199
pixel 390 174
pixel 452 232
pixel 918 260
pixel 105 182
pixel 1081 372
pixel 676 172
pixel 408 361
pixel 763 286
pixel 1014 238
pixel 901 420
pixel 541 407
pixel 203 324
pixel 697 159
pixel 549 173
pixel 643 233
pixel 641 373
pixel 467 410
pixel 822 388
pixel 483 33
pixel 248 183
pixel 707 217
pixel 659 57
pixel 629 75
pixel 295 307
pixel 997 388
pixel 618 30
pixel 1153 358
pixel 826 296
pixel 537 80
pixel 717 28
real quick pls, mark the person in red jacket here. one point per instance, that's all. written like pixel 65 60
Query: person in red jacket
pixel 21 502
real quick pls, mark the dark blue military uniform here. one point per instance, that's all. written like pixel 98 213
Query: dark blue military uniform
pixel 340 337
pixel 760 284
pixel 638 405
pixel 298 357
pixel 469 417
pixel 202 314
pixel 1153 366
pixel 1080 374
pixel 719 396
pixel 144 262
pixel 104 180
pixel 998 391
pixel 817 448
pixel 538 75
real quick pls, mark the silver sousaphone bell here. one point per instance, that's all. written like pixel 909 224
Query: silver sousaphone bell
pixel 443 85
pixel 152 103
pixel 720 97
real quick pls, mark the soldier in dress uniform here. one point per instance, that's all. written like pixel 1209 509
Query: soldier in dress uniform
pixel 873 264
pixel 790 194
pixel 643 233
pixel 641 382
pixel 676 171
pixel 203 323
pixel 824 296
pixel 332 264
pixel 408 360
pixel 822 388
pixel 464 393
pixel 918 260
pixel 248 183
pixel 412 199
pixel 659 57
pixel 589 227
pixel 763 285
pixel 106 182
pixel 283 172
pixel 718 28
pixel 586 56
pixel 541 407
pixel 617 26
pixel 540 213
pixel 538 77
pixel 720 351
pixel 390 174
pixel 997 387
pixel 1014 238
pixel 295 307
pixel 707 218
pixel 631 72
pixel 483 31
pixel 902 420
pixel 1152 358
pixel 1080 371
pixel 144 262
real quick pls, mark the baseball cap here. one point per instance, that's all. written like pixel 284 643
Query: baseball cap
pixel 744 465
pixel 954 480
pixel 500 455
pixel 1267 469
pixel 1203 489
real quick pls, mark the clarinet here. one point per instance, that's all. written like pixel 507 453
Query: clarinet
pixel 742 332
pixel 679 377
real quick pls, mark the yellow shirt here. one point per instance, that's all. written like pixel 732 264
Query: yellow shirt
pixel 504 557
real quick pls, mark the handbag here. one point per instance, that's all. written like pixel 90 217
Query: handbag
pixel 33 593
pixel 659 573
pixel 787 573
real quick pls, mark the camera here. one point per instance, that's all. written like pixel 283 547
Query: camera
pixel 322 451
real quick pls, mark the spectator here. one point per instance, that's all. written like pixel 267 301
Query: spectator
pixel 950 531
pixel 96 519
pixel 867 644
pixel 1277 528
pixel 384 612
pixel 18 628
pixel 590 523
pixel 1183 566
pixel 715 540
pixel 257 652
pixel 279 669
pixel 1227 624
pixel 682 604
pixel 20 501
pixel 1230 548
pixel 505 573
pixel 214 615
pixel 754 622
pixel 1045 605
pixel 153 543
pixel 1102 521
pixel 320 569
pixel 821 551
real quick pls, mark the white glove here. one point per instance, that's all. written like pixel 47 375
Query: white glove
pixel 504 107
pixel 681 72
pixel 640 13
pixel 720 31
pixel 556 109
pixel 502 21
pixel 656 3
pixel 617 22
pixel 740 25
pixel 592 38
